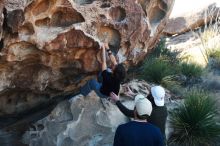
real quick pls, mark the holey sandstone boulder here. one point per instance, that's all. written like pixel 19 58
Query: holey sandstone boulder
pixel 49 47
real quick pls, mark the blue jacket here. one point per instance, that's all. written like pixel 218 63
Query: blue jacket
pixel 138 134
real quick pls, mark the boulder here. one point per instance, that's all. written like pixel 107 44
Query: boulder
pixel 193 46
pixel 52 46
pixel 93 123
pixel 188 15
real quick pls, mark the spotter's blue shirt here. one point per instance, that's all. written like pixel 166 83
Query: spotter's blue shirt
pixel 138 134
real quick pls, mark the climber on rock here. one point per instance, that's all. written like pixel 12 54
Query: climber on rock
pixel 111 78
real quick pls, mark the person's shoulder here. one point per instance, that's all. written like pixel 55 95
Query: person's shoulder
pixel 164 110
pixel 156 131
pixel 163 107
pixel 153 127
pixel 104 71
pixel 120 128
pixel 160 108
pixel 125 125
pixel 107 72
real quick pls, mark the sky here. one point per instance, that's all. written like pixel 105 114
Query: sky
pixel 187 6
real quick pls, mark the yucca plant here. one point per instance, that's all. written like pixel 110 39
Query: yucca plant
pixel 195 122
pixel 191 70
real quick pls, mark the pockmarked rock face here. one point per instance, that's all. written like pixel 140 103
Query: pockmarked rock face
pixel 52 46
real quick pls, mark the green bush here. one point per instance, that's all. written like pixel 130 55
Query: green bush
pixel 191 70
pixel 195 122
pixel 161 66
pixel 155 70
pixel 216 55
pixel 209 38
pixel 161 51
pixel 171 83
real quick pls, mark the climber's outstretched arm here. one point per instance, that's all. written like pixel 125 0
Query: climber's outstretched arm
pixel 104 65
pixel 111 56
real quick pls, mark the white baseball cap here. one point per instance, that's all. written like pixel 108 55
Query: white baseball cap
pixel 143 105
pixel 158 94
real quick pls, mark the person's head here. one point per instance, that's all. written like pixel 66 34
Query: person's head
pixel 119 72
pixel 143 107
pixel 158 94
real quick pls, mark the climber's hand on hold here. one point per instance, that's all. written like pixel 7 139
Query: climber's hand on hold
pixel 102 46
pixel 106 45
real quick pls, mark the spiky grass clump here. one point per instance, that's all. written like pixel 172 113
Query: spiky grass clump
pixel 161 51
pixel 158 71
pixel 196 121
pixel 215 54
pixel 191 70
pixel 210 39
pixel 161 66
